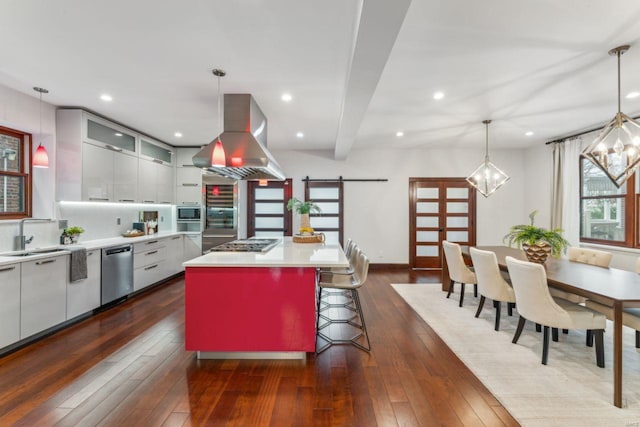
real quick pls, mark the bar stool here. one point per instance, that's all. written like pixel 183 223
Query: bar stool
pixel 349 283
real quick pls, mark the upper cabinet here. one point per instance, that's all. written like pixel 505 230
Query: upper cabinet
pixel 98 160
pixel 188 177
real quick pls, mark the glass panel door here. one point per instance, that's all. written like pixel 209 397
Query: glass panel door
pixel 440 208
pixel 328 197
pixel 267 212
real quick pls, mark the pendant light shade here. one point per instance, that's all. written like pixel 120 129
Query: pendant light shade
pixel 218 157
pixel 616 150
pixel 487 177
pixel 40 157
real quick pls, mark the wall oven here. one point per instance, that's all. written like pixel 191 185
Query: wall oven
pixel 189 213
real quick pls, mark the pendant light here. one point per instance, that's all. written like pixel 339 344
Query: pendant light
pixel 487 178
pixel 218 157
pixel 40 157
pixel 616 150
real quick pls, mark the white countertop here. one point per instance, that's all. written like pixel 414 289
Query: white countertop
pixel 285 254
pixel 89 245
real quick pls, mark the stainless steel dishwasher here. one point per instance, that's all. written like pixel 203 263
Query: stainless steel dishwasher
pixel 117 273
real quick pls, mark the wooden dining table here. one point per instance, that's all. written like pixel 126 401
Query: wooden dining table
pixel 609 286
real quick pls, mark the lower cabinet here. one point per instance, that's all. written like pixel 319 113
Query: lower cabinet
pixel 149 260
pixel 44 294
pixel 175 251
pixel 84 295
pixel 192 246
pixel 9 304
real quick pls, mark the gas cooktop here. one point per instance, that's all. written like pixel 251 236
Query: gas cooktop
pixel 246 245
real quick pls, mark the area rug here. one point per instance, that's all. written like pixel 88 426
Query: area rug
pixel 569 391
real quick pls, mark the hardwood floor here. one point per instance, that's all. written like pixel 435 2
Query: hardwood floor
pixel 127 366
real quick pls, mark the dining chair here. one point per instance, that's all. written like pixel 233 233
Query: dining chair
pixel 491 284
pixel 350 283
pixel 458 270
pixel 535 304
pixel 630 316
pixel 584 256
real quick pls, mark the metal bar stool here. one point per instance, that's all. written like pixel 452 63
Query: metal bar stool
pixel 349 283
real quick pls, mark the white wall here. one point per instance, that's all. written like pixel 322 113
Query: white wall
pixel 538 167
pixel 377 213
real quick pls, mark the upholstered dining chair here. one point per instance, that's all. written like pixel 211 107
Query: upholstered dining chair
pixel 630 316
pixel 535 303
pixel 491 284
pixel 350 283
pixel 584 256
pixel 458 271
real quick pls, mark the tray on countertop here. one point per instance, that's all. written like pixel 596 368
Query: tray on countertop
pixel 313 238
pixel 138 234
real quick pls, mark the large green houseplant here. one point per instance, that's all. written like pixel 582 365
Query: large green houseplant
pixel 537 242
pixel 304 209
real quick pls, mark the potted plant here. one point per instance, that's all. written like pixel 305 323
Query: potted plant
pixel 304 209
pixel 537 242
pixel 74 233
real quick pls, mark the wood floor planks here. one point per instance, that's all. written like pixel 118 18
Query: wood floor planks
pixel 127 366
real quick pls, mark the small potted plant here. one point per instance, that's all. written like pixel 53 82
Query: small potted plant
pixel 304 209
pixel 536 242
pixel 74 233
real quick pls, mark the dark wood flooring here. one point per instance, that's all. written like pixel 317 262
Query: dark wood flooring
pixel 127 367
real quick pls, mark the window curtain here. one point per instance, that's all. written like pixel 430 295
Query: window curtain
pixel 565 192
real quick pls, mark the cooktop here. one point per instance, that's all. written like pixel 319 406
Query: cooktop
pixel 246 245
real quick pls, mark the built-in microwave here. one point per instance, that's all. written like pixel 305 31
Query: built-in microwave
pixel 189 213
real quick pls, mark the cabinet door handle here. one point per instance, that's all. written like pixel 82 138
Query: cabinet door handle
pixel 48 261
pixel 165 203
pixel 151 253
pixel 99 198
pixel 112 148
pixel 176 238
pixel 126 200
pixel 13 267
pixel 189 166
pixel 189 184
pixel 150 267
pixel 190 203
pixel 151 242
pixel 148 201
pixel 158 161
pixel 89 253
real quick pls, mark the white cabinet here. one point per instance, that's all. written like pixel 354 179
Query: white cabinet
pixel 184 156
pixel 188 178
pixel 155 182
pixel 84 295
pixel 175 254
pixel 149 260
pixel 9 304
pixel 192 246
pixel 96 160
pixel 44 294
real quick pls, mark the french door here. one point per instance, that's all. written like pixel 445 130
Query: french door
pixel 267 214
pixel 439 209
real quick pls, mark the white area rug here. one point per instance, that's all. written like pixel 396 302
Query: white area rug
pixel 570 391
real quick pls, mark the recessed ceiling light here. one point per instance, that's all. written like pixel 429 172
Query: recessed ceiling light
pixel 118 134
pixel 399 134
pixel 106 97
pixel 632 95
pixel 438 95
pixel 177 135
pixel 299 135
pixel 286 97
pixel 529 133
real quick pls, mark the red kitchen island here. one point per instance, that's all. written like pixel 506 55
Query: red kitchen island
pixel 253 304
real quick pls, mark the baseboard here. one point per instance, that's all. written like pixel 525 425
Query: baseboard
pixel 388 266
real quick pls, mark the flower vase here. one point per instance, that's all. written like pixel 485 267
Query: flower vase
pixel 305 222
pixel 538 252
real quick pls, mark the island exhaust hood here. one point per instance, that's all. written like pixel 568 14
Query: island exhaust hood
pixel 245 143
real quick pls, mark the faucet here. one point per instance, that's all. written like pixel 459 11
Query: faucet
pixel 21 240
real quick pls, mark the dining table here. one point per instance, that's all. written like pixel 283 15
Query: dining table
pixel 612 287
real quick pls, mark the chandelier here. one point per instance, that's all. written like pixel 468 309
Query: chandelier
pixel 487 178
pixel 616 150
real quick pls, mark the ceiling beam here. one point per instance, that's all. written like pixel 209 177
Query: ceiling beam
pixel 379 25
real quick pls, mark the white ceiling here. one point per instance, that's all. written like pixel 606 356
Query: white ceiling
pixel 358 71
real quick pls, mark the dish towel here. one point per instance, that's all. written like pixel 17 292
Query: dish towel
pixel 78 263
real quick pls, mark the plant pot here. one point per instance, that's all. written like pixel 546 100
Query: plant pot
pixel 74 238
pixel 304 221
pixel 537 252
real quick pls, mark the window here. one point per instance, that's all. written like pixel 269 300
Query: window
pixel 15 179
pixel 606 212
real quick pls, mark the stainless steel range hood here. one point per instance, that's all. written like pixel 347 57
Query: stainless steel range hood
pixel 245 143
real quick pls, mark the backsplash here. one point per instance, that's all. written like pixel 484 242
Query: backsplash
pixel 99 221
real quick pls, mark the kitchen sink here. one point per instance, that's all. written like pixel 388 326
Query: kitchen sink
pixel 36 252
